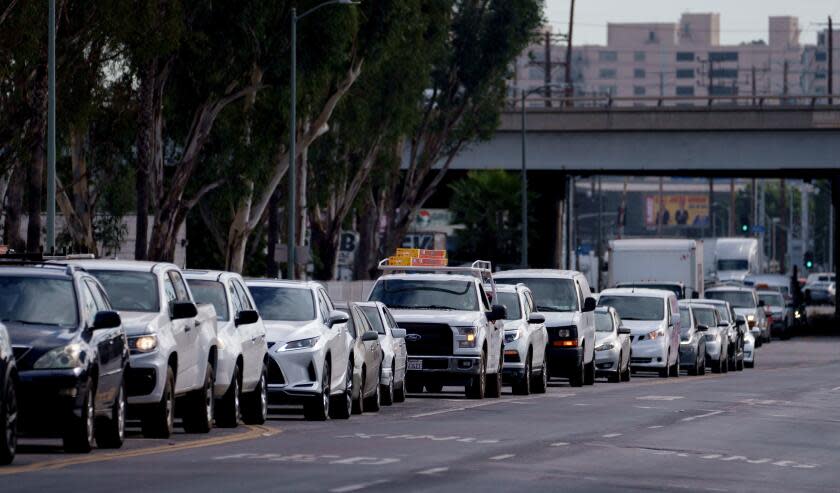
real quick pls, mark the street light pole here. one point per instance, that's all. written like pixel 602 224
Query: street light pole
pixel 51 134
pixel 524 258
pixel 292 216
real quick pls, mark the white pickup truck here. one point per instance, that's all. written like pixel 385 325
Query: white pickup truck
pixel 454 335
pixel 172 340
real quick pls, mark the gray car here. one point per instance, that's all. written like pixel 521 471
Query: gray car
pixel 366 358
pixel 612 346
pixel 394 352
pixel 780 312
pixel 693 338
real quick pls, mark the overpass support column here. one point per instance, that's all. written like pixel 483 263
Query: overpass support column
pixel 560 226
pixel 835 243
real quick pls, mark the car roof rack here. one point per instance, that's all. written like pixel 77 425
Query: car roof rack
pixel 481 269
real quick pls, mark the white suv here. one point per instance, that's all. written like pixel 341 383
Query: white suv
pixel 565 300
pixel 310 359
pixel 241 370
pixel 454 335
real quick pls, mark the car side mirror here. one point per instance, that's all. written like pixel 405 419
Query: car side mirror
pixel 497 312
pixel 398 333
pixel 702 328
pixel 336 317
pixel 536 318
pixel 182 309
pixel 370 336
pixel 589 304
pixel 106 320
pixel 624 331
pixel 247 317
pixel 761 303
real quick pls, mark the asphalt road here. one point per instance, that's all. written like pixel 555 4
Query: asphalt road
pixel 773 428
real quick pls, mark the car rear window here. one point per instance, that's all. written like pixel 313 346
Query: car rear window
pixel 372 314
pixel 279 303
pixel 211 293
pixel 635 307
pixel 37 301
pixel 511 302
pixel 130 291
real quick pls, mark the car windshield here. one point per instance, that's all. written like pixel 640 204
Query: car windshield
pixel 723 313
pixel 511 302
pixel 550 295
pixel 603 322
pixel 37 301
pixel 211 293
pixel 733 264
pixel 284 304
pixel 705 316
pixel 771 299
pixel 372 314
pixel 130 291
pixel 412 294
pixel 635 307
pixel 738 299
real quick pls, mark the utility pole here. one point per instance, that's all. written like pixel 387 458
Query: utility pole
pixel 50 134
pixel 731 207
pixel 754 91
pixel 600 249
pixel 711 77
pixel 568 79
pixel 805 216
pixel 524 254
pixel 783 217
pixel 830 61
pixel 660 208
pixel 711 208
pixel 785 76
pixel 548 70
pixel 754 219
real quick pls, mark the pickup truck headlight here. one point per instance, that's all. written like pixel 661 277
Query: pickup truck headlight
pixel 512 336
pixel 143 344
pixel 60 358
pixel 565 332
pixel 470 339
pixel 299 344
pixel 605 346
pixel 653 335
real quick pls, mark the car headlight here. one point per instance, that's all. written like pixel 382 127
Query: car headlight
pixel 299 344
pixel 653 335
pixel 143 344
pixel 469 335
pixel 564 332
pixel 797 314
pixel 62 357
pixel 605 346
pixel 512 336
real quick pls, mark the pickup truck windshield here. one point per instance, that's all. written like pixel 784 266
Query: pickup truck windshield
pixel 550 295
pixel 635 307
pixel 284 304
pixel 733 264
pixel 211 293
pixel 37 301
pixel 130 291
pixel 511 302
pixel 771 299
pixel 738 299
pixel 410 294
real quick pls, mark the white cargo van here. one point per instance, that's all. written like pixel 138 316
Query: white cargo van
pixel 672 264
pixel 737 258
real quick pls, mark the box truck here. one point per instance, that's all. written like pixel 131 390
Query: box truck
pixel 676 265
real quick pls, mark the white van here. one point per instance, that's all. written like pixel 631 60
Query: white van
pixel 737 258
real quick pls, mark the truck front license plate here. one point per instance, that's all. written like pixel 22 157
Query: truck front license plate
pixel 415 364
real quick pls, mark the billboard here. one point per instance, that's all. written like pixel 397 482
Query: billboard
pixel 678 210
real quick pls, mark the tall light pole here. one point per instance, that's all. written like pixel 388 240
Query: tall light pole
pixel 51 133
pixel 292 218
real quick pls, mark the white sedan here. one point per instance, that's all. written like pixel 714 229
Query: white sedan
pixel 392 340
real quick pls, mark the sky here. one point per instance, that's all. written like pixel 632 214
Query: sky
pixel 740 20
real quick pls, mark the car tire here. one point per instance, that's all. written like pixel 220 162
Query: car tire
pixel 374 402
pixel 434 387
pixel 387 391
pixel 702 368
pixel 577 377
pixel 477 383
pixel 200 405
pixel 675 368
pixel 228 409
pixel 626 375
pixel 589 373
pixel 79 437
pixel 110 431
pixel 724 365
pixel 666 371
pixel 8 420
pixel 159 422
pixel 739 364
pixel 400 392
pixel 694 370
pixel 751 364
pixel 758 341
pixel 494 382
pixel 320 408
pixel 255 403
pixel 523 385
pixel 540 384
pixel 359 402
pixel 341 406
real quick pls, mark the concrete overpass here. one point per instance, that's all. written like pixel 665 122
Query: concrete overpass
pixel 743 136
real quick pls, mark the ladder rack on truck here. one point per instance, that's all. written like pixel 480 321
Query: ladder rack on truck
pixel 481 269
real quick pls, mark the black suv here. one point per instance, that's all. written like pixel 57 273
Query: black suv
pixel 8 399
pixel 71 353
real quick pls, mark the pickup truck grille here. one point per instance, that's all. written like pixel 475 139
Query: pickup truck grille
pixel 428 339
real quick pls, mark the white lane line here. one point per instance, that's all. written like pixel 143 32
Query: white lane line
pixel 357 487
pixel 710 413
pixel 582 405
pixel 659 397
pixel 503 457
pixel 612 435
pixel 559 444
pixel 455 409
pixel 835 389
pixel 655 427
pixel 434 470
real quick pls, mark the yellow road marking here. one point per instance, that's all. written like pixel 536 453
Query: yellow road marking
pixel 253 432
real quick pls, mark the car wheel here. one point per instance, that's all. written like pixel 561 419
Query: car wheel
pixel 319 408
pixel 255 404
pixel 374 402
pixel 387 391
pixel 228 412
pixel 198 417
pixel 626 374
pixel 341 407
pixel 476 386
pixel 523 386
pixel 751 364
pixel 494 382
pixel 400 391
pixel 739 364
pixel 589 372
pixel 666 371
pixel 617 377
pixel 79 436
pixel 540 384
pixel 702 369
pixel 8 419
pixel 159 422
pixel 359 402
pixel 577 377
pixel 724 365
pixel 110 431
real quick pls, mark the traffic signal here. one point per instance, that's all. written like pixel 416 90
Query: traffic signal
pixel 809 260
pixel 745 228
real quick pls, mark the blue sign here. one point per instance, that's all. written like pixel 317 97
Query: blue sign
pixel 759 230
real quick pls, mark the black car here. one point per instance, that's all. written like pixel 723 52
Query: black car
pixel 8 399
pixel 71 353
